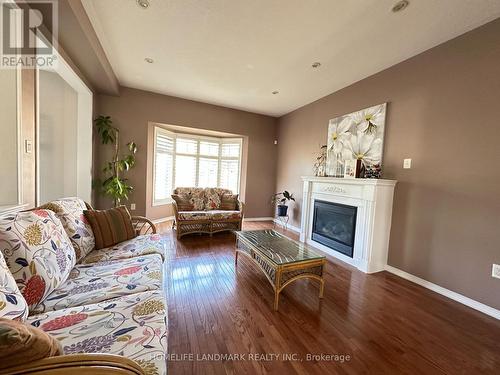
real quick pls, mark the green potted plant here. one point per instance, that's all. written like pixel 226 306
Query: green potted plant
pixel 114 185
pixel 281 199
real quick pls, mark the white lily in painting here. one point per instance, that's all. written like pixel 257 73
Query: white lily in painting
pixel 370 120
pixel 365 147
pixel 339 133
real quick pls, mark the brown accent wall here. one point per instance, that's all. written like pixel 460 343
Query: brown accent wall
pixel 443 112
pixel 134 109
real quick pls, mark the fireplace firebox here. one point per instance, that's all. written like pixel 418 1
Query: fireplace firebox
pixel 334 226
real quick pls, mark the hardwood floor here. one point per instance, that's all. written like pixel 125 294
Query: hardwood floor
pixel 385 324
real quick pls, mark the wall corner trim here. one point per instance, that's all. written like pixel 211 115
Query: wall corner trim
pixel 485 309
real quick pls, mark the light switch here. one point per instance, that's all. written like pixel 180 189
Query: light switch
pixel 28 146
pixel 132 206
pixel 495 271
pixel 407 163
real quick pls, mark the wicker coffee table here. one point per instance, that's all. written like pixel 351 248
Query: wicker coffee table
pixel 282 259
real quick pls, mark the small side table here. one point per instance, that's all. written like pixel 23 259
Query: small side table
pixel 283 221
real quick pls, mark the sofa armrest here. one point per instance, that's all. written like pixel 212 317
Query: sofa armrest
pixel 241 207
pixel 143 225
pixel 176 209
pixel 79 364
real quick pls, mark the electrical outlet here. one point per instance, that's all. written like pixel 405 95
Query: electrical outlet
pixel 495 271
pixel 407 163
pixel 132 206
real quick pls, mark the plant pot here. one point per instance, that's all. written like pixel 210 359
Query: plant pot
pixel 282 210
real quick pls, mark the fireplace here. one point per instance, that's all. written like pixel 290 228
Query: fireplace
pixel 334 226
pixel 368 203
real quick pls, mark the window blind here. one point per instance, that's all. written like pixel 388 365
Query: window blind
pixel 194 161
pixel 164 157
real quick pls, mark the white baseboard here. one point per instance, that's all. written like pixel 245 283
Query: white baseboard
pixel 257 219
pixel 162 220
pixel 488 310
pixel 289 227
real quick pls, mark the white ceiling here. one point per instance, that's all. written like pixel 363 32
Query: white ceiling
pixel 236 52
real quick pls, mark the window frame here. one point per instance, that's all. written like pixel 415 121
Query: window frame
pixel 198 138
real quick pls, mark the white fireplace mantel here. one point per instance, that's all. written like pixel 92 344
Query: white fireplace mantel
pixel 373 199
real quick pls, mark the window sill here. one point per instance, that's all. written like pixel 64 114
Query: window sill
pixel 163 202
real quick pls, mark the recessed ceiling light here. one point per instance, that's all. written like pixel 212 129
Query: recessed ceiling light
pixel 275 92
pixel 316 64
pixel 400 5
pixel 149 60
pixel 144 4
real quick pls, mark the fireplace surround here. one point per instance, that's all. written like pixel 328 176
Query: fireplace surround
pixel 359 235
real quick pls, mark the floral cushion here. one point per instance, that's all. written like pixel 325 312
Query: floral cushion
pixel 197 199
pixel 196 196
pixel 38 253
pixel 212 199
pixel 229 202
pixel 70 212
pixel 194 215
pixel 209 215
pixel 12 303
pixel 92 283
pixel 222 191
pixel 133 326
pixel 183 202
pixel 188 190
pixel 139 246
pixel 225 215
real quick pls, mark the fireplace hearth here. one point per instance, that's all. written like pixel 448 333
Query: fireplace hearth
pixel 334 226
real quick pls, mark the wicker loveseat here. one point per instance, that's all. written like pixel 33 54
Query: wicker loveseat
pixel 206 210
pixel 106 307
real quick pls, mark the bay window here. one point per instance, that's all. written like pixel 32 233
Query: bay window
pixel 187 160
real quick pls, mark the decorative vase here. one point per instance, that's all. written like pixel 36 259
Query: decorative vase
pixel 321 171
pixel 335 164
pixel 282 210
pixel 360 169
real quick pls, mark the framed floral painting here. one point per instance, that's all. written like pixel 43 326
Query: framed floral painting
pixel 358 135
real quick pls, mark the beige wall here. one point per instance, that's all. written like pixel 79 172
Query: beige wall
pixel 28 126
pixel 443 113
pixel 134 109
pixel 9 139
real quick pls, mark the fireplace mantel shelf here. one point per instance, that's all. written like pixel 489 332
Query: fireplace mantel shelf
pixel 350 181
pixel 373 200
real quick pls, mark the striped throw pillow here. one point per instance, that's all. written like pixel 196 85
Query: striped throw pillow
pixel 111 226
pixel 229 202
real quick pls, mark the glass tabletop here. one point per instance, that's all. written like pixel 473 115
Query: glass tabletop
pixel 277 247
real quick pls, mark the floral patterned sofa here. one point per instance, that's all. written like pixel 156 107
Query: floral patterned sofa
pixel 206 210
pixel 106 307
